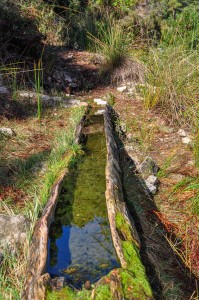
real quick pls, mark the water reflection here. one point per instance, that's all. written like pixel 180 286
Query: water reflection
pixel 80 244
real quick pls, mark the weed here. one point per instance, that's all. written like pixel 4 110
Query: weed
pixel 163 171
pixel 183 254
pixel 12 272
pixel 110 99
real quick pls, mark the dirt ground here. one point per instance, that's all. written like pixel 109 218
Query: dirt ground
pixel 23 153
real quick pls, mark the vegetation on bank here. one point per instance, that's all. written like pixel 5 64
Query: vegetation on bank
pixel 36 185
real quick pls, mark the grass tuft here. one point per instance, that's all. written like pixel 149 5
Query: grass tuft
pixel 112 48
pixel 173 76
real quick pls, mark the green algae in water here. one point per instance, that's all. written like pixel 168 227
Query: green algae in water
pixel 80 244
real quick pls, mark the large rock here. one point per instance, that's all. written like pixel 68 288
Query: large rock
pixel 13 230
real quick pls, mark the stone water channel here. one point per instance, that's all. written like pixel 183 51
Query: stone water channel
pixel 85 233
pixel 80 247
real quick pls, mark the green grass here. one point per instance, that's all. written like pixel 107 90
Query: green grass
pixel 110 44
pixel 173 84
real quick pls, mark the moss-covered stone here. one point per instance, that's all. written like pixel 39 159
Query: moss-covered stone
pixel 123 227
pixel 103 292
pixel 134 281
pixel 68 294
pixel 133 278
pixel 64 294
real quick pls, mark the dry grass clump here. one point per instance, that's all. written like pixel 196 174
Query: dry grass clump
pixel 113 53
pixel 173 75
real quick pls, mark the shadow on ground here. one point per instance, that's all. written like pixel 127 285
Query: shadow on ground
pixel 168 276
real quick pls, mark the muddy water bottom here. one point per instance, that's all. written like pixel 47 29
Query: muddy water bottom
pixel 80 246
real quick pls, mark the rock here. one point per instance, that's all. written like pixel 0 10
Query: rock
pixel 87 285
pixel 7 131
pixel 131 90
pixel 46 98
pixel 25 94
pixel 49 100
pixel 152 189
pixel 73 103
pixel 152 183
pixel 181 133
pixel 152 180
pixel 148 167
pixel 4 90
pixel 13 230
pixel 186 140
pixel 100 112
pixel 57 283
pixel 121 89
pixel 100 101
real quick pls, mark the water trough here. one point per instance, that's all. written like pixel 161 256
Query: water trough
pixel 88 239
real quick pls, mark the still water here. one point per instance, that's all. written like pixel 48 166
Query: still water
pixel 80 247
